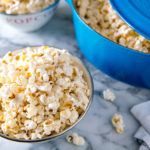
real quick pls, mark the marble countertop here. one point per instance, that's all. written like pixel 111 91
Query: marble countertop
pixel 96 126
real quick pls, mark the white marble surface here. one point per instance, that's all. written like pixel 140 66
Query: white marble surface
pixel 96 126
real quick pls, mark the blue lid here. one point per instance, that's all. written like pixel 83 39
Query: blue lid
pixel 136 13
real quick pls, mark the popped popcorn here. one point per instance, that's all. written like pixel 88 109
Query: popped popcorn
pixel 75 139
pixel 109 95
pixel 100 15
pixel 29 125
pixel 39 96
pixel 118 123
pixel 24 6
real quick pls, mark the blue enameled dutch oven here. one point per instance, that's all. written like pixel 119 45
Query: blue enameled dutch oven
pixel 117 61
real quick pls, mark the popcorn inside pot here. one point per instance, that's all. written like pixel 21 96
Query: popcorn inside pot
pixel 100 15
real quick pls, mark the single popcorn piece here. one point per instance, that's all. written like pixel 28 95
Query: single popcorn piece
pixel 100 16
pixel 118 123
pixel 42 92
pixel 109 95
pixel 29 125
pixel 24 6
pixel 75 139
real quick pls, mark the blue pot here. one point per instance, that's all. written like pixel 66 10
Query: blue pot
pixel 117 61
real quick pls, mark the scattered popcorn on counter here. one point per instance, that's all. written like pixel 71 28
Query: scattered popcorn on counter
pixel 102 18
pixel 118 123
pixel 24 6
pixel 42 92
pixel 109 95
pixel 75 139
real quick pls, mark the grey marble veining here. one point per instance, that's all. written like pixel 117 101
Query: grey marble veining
pixel 96 126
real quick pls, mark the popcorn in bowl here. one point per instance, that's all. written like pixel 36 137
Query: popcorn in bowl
pixel 100 16
pixel 27 15
pixel 24 6
pixel 42 92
